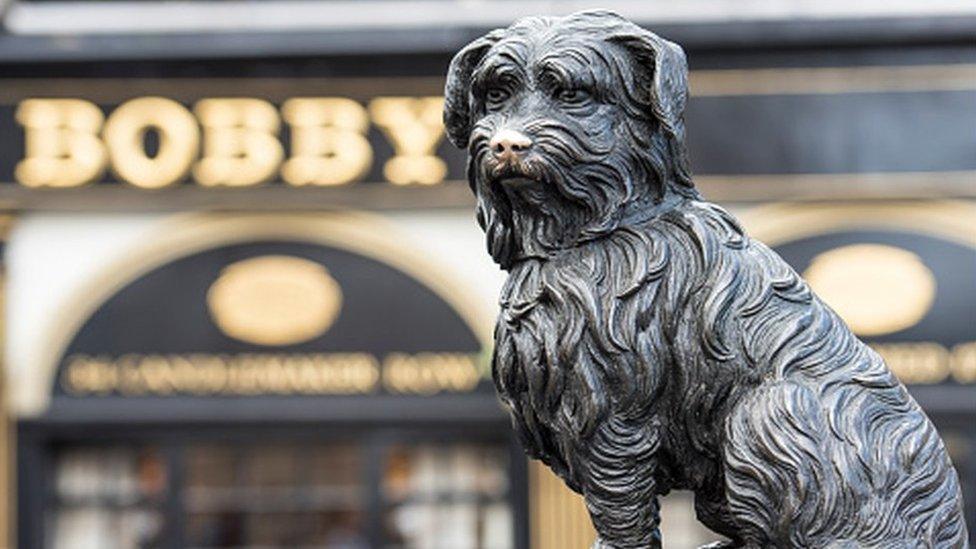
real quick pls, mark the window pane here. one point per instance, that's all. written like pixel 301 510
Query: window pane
pixel 453 495
pixel 108 498
pixel 275 495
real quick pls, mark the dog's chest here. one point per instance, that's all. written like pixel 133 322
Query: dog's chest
pixel 540 325
pixel 586 293
pixel 557 312
pixel 548 357
pixel 542 300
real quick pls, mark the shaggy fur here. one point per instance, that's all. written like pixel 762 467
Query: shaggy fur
pixel 645 343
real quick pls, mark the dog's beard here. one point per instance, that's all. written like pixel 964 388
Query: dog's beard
pixel 569 189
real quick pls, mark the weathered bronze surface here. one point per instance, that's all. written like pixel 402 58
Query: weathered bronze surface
pixel 645 342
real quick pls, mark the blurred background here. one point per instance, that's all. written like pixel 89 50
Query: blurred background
pixel 247 304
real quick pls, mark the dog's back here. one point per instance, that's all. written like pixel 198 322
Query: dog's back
pixel 791 431
pixel 849 455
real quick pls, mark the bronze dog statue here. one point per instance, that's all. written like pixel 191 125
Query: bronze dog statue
pixel 645 342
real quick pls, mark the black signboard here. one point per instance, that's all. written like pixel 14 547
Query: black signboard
pixel 785 129
pixel 280 324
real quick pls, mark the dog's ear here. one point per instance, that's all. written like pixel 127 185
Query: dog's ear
pixel 667 78
pixel 669 83
pixel 457 89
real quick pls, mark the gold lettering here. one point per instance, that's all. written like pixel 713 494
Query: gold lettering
pixel 309 380
pixel 89 375
pixel 253 374
pixel 216 371
pixel 277 381
pixel 430 373
pixel 289 373
pixel 347 373
pixel 130 377
pixel 61 143
pixel 179 141
pixel 249 375
pixel 328 141
pixel 414 128
pixel 916 363
pixel 240 144
pixel 401 373
pixel 157 374
pixel 964 362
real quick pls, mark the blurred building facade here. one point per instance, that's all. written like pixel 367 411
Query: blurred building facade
pixel 247 304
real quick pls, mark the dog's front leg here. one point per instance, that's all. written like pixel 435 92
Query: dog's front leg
pixel 620 490
pixel 641 518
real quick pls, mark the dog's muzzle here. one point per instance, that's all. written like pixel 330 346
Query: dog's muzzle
pixel 509 149
pixel 509 146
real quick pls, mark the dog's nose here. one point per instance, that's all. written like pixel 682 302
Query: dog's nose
pixel 507 145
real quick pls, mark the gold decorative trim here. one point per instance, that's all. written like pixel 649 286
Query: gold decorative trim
pixel 274 300
pixel 368 235
pixel 807 186
pixel 928 186
pixel 778 223
pixel 832 80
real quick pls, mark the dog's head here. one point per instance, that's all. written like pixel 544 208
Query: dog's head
pixel 573 125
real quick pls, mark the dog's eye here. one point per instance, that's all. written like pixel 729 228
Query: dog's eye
pixel 494 96
pixel 570 95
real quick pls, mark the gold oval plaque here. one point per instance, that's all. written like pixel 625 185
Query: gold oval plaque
pixel 274 300
pixel 876 289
